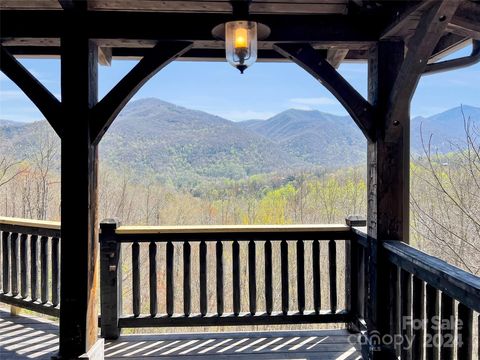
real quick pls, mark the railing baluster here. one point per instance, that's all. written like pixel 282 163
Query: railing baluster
pixel 170 288
pixel 44 269
pixel 219 254
pixel 55 271
pixel 478 337
pixel 465 333
pixel 432 311
pixel 418 314
pixel 203 278
pixel 23 265
pixel 252 277
pixel 14 262
pixel 136 278
pixel 5 263
pixel 447 334
pixel 284 270
pixel 236 277
pixel 187 273
pixel 33 267
pixel 332 267
pixel 317 289
pixel 152 256
pixel 268 277
pixel 301 276
pixel 351 285
pixel 395 326
pixel 362 282
pixel 406 309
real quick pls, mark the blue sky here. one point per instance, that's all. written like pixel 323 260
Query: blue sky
pixel 264 90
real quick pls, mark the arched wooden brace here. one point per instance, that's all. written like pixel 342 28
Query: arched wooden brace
pixel 429 31
pixel 48 104
pixel 306 57
pixel 105 111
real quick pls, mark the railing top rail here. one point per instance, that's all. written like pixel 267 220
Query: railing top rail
pixel 54 225
pixel 226 229
pixel 28 226
pixel 457 283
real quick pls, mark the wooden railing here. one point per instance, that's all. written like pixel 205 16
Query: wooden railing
pixel 30 256
pixel 428 304
pixel 291 238
pixel 420 287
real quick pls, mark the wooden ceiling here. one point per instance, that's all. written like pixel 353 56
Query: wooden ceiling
pixel 216 6
pixel 342 29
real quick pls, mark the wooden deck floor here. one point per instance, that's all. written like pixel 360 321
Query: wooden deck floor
pixel 23 337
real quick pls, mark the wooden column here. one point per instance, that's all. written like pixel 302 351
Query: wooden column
pixel 393 79
pixel 79 257
pixel 388 175
pixel 388 155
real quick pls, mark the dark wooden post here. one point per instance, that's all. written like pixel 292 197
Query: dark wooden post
pixel 388 178
pixel 352 270
pixel 110 279
pixel 79 256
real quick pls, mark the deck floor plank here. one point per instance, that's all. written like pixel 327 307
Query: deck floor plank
pixel 30 337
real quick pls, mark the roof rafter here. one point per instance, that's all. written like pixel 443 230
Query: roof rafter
pixel 402 19
pixel 466 20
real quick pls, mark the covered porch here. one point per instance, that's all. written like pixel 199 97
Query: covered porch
pixel 36 338
pixel 62 269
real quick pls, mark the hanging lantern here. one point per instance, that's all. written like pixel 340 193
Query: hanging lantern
pixel 241 43
pixel 241 36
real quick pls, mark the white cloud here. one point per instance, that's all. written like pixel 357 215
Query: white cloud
pixel 11 95
pixel 314 101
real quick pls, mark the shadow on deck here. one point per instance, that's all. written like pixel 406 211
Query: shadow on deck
pixel 29 337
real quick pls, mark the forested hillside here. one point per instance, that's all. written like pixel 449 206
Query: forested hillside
pixel 164 164
pixel 172 144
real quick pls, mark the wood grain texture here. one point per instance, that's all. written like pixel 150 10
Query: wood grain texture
pixel 213 229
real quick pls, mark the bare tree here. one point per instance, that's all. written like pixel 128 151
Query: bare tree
pixel 445 200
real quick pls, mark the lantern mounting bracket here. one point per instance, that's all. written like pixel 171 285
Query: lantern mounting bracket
pixel 241 9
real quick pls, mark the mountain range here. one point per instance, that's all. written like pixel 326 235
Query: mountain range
pixel 151 136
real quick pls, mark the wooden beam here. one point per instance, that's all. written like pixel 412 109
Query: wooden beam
pixel 333 29
pixel 105 56
pixel 466 20
pixel 457 63
pixel 448 43
pixel 128 53
pixel 336 56
pixel 403 19
pixel 108 108
pixel 79 225
pixel 291 7
pixel 429 31
pixel 471 31
pixel 316 65
pixel 43 99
